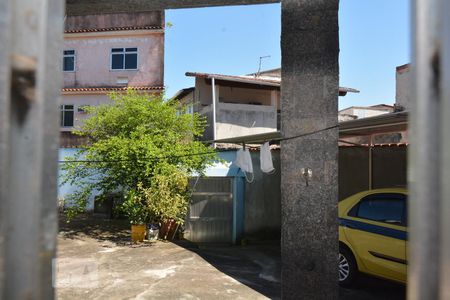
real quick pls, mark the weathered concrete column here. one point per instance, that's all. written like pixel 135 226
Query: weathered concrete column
pixel 310 72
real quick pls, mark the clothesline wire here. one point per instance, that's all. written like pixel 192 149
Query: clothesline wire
pixel 196 154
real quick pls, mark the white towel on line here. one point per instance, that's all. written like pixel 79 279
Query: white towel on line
pixel 266 158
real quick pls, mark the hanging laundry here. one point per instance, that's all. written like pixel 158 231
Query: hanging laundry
pixel 266 159
pixel 244 160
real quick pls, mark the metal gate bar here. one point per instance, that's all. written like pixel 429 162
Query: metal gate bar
pixel 429 159
pixel 30 84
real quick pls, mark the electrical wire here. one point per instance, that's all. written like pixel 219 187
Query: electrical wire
pixel 196 154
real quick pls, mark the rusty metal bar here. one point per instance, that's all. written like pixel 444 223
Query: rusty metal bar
pixel 85 7
pixel 28 143
pixel 425 162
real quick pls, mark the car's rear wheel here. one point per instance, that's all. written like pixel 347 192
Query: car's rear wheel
pixel 347 267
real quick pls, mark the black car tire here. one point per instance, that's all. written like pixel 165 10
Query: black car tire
pixel 348 269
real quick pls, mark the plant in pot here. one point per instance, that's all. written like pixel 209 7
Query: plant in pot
pixel 167 199
pixel 135 208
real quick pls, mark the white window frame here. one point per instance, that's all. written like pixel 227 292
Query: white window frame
pixel 124 55
pixel 74 55
pixel 63 110
pixel 190 109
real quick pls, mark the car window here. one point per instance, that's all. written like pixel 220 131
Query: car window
pixel 383 208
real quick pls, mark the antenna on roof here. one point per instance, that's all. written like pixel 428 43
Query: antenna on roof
pixel 260 64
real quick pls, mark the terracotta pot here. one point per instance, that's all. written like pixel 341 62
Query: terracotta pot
pixel 138 233
pixel 168 230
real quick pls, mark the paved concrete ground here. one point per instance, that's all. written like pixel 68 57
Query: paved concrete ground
pixel 96 261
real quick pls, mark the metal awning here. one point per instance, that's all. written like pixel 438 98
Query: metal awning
pixel 250 139
pixel 386 123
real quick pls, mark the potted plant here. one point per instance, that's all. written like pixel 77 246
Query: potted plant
pixel 136 209
pixel 167 199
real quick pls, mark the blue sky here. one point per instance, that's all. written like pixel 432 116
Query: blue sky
pixel 374 39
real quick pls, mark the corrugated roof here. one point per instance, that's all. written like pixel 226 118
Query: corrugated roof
pixel 385 107
pixel 384 145
pixel 390 122
pixel 112 89
pixel 114 29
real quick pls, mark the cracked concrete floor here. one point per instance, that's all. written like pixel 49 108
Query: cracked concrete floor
pixel 96 261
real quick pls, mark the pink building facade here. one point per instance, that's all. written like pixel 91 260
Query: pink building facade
pixel 106 53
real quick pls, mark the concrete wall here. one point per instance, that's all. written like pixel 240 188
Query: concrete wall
pixel 93 55
pixel 403 86
pixel 239 120
pixel 234 115
pixel 207 112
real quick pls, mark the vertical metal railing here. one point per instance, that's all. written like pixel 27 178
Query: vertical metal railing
pixel 429 158
pixel 30 84
pixel 445 153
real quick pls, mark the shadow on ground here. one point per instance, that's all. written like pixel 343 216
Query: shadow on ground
pixel 368 288
pixel 255 266
pixel 99 228
pixel 259 267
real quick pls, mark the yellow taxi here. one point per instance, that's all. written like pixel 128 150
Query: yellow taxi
pixel 373 235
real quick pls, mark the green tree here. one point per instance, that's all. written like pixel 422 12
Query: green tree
pixel 138 145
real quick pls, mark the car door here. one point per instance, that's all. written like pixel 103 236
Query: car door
pixel 375 227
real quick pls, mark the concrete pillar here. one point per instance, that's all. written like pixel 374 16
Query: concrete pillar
pixel 310 72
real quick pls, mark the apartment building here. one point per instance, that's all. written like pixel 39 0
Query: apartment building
pixel 108 53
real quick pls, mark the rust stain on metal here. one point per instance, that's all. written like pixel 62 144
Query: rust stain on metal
pixel 436 69
pixel 23 84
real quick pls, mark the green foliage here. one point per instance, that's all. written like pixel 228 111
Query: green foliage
pixel 139 146
pixel 167 197
pixel 135 208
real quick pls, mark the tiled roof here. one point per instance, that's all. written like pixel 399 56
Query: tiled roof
pixel 112 89
pixel 244 79
pixel 343 143
pixel 114 29
pixel 263 80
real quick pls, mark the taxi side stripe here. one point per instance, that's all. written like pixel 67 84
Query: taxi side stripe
pixel 376 229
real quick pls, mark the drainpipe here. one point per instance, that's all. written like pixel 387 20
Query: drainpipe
pixel 213 84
